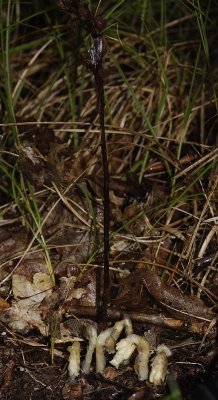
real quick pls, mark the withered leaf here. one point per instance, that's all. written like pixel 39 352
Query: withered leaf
pixel 3 304
pixel 25 313
pixel 180 305
pixel 35 166
pixel 12 242
pixel 131 288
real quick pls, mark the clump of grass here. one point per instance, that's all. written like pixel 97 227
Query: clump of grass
pixel 156 90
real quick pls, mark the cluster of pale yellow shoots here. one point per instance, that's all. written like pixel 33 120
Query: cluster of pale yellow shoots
pixel 106 341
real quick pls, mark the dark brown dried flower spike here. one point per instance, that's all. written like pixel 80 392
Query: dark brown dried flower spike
pixel 68 5
pixel 93 24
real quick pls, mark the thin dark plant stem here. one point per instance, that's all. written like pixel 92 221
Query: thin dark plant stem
pixel 95 25
pixel 101 110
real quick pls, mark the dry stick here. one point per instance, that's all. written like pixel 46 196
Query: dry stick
pixel 7 378
pixel 189 326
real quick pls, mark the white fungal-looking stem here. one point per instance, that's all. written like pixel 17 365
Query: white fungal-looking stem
pixel 125 349
pixel 159 365
pixel 141 361
pixel 128 326
pixel 74 360
pixel 92 336
pixel 100 349
pixel 117 329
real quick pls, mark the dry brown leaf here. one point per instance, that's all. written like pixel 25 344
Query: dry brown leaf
pixel 3 304
pixel 73 390
pixel 179 304
pixel 131 288
pixel 134 215
pixel 11 242
pixel 35 167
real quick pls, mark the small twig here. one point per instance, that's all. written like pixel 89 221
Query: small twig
pixel 192 327
pixel 7 378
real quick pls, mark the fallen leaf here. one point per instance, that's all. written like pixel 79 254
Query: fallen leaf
pixel 3 304
pixel 37 290
pixel 25 314
pixel 179 304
